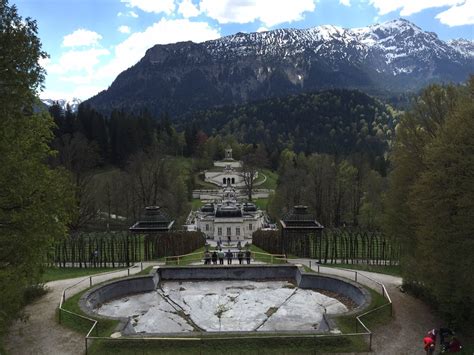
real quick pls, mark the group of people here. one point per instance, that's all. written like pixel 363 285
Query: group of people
pixel 219 255
pixel 448 342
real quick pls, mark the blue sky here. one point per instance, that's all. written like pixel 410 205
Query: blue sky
pixel 91 41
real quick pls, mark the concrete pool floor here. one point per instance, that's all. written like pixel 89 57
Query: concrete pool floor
pixel 229 306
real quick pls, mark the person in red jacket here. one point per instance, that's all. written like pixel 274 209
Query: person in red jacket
pixel 433 333
pixel 429 345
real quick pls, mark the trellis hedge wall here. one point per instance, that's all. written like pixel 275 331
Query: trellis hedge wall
pixel 347 246
pixel 115 249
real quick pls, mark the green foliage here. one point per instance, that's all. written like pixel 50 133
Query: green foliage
pixel 336 122
pixel 335 189
pixel 347 246
pixel 35 200
pixel 431 196
pixel 249 345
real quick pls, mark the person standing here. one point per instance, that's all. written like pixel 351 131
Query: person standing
pixel 229 257
pixel 207 258
pixel 214 257
pixel 248 254
pixel 240 256
pixel 445 335
pixel 220 255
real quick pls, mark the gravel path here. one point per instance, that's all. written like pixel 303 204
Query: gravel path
pixel 412 318
pixel 41 334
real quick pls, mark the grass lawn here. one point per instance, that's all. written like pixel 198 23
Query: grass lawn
pixel 57 273
pixel 196 204
pixel 393 270
pixel 200 184
pixel 105 326
pixel 238 345
pixel 261 203
pixel 196 256
pixel 271 182
pixel 264 258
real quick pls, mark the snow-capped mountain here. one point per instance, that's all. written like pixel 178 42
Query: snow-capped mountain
pixel 394 56
pixel 463 46
pixel 73 103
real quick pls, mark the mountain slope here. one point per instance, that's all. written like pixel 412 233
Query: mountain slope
pixel 395 56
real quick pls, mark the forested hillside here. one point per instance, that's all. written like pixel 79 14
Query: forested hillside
pixel 336 122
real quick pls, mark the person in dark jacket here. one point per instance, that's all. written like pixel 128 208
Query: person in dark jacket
pixel 207 258
pixel 229 257
pixel 214 257
pixel 248 254
pixel 240 256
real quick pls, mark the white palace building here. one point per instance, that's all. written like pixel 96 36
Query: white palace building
pixel 227 171
pixel 228 218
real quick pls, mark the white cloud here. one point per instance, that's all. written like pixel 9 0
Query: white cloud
pixel 77 61
pixel 128 14
pixel 165 31
pixel 44 62
pixel 410 7
pixel 188 9
pixel 262 29
pixel 83 75
pixel 124 29
pixel 270 12
pixel 458 15
pixel 345 2
pixel 156 6
pixel 81 37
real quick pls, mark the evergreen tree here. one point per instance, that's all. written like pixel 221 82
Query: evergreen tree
pixel 35 200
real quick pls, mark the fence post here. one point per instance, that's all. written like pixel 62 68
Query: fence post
pixel 141 265
pixel 128 272
pixel 355 276
pixel 310 264
pixel 318 268
pixel 86 343
pixel 370 342
pixel 90 281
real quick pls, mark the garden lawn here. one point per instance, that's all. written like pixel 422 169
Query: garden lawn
pixel 57 273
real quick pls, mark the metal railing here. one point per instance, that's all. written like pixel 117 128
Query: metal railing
pixel 200 337
pixel 90 278
pixel 375 285
pixel 186 259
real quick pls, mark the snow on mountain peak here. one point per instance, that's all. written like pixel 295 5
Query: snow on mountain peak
pixel 63 103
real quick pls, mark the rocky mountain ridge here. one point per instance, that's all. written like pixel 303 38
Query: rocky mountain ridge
pixel 392 57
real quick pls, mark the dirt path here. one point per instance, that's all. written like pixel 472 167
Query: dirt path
pixel 41 334
pixel 412 318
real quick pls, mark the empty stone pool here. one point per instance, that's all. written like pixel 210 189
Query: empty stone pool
pixel 224 306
